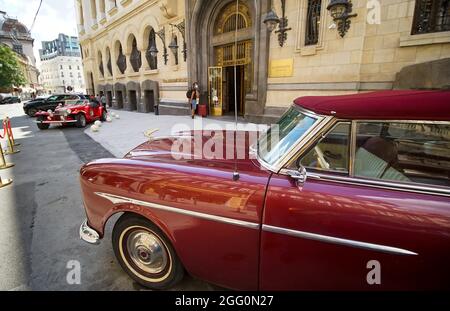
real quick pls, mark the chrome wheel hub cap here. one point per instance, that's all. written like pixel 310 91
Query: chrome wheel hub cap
pixel 147 251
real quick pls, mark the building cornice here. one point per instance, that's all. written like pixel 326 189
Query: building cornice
pixel 119 20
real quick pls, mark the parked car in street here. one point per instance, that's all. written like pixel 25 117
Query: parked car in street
pixel 50 103
pixel 77 112
pixel 10 100
pixel 344 193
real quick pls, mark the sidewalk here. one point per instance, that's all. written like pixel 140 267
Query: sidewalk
pixel 123 134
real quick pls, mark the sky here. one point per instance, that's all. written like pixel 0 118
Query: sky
pixel 55 17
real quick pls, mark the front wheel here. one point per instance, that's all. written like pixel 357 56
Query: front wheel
pixel 81 120
pixel 145 253
pixel 31 112
pixel 42 126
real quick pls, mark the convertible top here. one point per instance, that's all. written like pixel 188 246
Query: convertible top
pixel 383 105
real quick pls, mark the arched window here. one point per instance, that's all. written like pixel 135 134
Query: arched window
pixel 230 18
pixel 231 22
pixel 135 57
pixel 152 60
pixel 121 58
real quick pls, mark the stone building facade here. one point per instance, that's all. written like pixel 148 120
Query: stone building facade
pixel 16 35
pixel 61 65
pixel 311 55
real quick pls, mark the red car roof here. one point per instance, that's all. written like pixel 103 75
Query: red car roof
pixel 389 105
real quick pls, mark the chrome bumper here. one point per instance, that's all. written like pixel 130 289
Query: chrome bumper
pixel 51 122
pixel 88 234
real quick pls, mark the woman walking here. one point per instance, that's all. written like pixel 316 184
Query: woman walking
pixel 195 98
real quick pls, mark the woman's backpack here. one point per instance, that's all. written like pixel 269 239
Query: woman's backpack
pixel 189 93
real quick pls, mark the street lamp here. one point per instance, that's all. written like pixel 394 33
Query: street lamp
pixel 154 51
pixel 173 46
pixel 271 20
pixel 182 29
pixel 340 12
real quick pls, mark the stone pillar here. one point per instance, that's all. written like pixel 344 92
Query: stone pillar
pixel 129 69
pixel 145 65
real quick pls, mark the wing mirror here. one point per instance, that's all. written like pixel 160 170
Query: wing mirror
pixel 299 175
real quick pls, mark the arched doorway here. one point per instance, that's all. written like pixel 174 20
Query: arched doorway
pixel 229 79
pixel 210 33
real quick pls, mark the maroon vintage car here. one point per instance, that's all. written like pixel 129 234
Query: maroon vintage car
pixel 77 112
pixel 354 194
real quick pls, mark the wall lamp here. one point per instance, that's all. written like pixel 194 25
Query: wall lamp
pixel 272 20
pixel 154 51
pixel 182 29
pixel 340 11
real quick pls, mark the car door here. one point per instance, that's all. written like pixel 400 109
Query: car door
pixel 94 110
pixel 380 222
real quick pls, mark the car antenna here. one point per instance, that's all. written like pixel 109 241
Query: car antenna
pixel 235 173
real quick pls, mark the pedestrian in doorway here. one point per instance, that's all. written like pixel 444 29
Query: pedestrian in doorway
pixel 195 98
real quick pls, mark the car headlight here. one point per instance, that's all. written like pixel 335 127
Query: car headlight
pixel 69 111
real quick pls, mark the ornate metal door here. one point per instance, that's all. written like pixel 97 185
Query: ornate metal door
pixel 215 93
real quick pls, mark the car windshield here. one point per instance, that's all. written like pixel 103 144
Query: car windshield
pixel 282 136
pixel 74 102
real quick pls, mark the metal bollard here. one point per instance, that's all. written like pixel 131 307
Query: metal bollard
pixel 3 163
pixel 10 149
pixel 8 123
pixel 5 182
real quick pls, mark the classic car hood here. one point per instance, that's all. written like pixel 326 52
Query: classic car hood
pixel 200 148
pixel 71 107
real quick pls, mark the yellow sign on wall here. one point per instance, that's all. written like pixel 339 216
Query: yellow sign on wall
pixel 280 68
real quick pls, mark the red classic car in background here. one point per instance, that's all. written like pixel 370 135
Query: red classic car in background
pixel 354 183
pixel 77 112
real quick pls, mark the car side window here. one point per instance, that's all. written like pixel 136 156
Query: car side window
pixel 52 98
pixel 331 153
pixel 404 152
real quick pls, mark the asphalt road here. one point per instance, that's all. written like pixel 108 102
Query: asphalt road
pixel 41 211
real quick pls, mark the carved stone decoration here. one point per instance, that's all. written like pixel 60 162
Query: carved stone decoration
pixel 162 35
pixel 121 61
pixel 135 57
pixel 168 8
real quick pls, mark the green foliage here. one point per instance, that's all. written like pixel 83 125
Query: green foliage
pixel 10 71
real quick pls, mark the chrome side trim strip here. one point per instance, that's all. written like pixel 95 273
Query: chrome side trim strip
pixel 424 189
pixel 334 240
pixel 115 199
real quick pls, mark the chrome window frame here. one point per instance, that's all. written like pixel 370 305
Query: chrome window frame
pixel 306 142
pixel 322 135
pixel 306 137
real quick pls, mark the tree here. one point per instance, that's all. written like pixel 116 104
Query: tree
pixel 10 71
